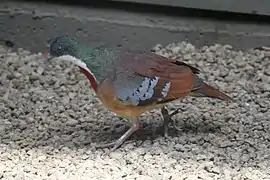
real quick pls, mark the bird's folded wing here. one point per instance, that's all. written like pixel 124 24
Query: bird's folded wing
pixel 152 79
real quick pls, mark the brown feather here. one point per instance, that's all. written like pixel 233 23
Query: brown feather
pixel 208 91
pixel 183 79
pixel 179 75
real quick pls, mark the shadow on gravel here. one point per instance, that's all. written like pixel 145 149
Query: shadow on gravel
pixel 74 134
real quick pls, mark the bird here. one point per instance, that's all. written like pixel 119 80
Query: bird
pixel 132 82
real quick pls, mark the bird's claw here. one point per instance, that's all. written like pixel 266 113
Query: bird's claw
pixel 114 146
pixel 167 120
pixel 107 145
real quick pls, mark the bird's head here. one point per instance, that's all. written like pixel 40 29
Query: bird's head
pixel 64 48
pixel 61 46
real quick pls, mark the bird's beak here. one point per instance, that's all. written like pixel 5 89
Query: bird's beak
pixel 47 57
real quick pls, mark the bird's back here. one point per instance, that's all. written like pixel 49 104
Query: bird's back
pixel 134 82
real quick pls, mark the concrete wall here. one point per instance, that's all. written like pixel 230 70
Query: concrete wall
pixel 30 25
pixel 261 7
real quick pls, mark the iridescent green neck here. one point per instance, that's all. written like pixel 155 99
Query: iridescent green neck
pixel 98 61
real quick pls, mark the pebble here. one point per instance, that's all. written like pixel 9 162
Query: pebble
pixel 51 119
pixel 72 122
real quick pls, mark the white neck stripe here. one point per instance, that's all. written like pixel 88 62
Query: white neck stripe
pixel 77 62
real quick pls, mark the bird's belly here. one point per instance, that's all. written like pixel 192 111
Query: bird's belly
pixel 121 109
pixel 125 110
pixel 106 95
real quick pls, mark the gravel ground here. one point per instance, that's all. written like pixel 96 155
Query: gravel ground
pixel 51 120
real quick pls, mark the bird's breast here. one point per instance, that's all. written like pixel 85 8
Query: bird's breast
pixel 107 96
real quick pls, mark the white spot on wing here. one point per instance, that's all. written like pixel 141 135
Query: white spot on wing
pixel 143 88
pixel 165 89
pixel 153 83
pixel 144 91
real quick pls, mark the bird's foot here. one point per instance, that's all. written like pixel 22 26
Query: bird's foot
pixel 107 145
pixel 167 120
pixel 115 145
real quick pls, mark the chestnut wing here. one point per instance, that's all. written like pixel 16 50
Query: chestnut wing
pixel 146 78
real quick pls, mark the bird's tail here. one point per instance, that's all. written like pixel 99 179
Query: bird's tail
pixel 208 91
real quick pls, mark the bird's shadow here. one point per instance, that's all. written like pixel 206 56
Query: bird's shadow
pixel 110 130
pixel 91 130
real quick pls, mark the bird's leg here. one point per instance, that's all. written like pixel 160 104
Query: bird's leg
pixel 167 119
pixel 124 137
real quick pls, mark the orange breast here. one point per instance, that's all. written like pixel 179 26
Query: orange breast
pixel 107 96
